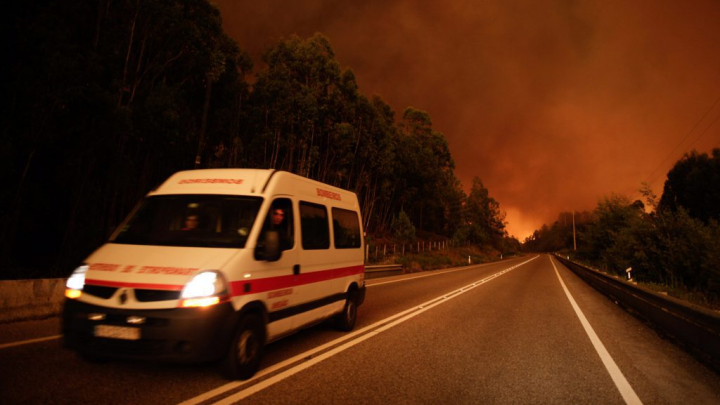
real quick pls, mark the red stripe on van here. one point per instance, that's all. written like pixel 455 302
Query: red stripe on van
pixel 257 286
pixel 276 283
pixel 168 287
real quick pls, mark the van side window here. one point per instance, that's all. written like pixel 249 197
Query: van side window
pixel 314 226
pixel 346 227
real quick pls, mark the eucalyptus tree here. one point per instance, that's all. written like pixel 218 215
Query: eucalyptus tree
pixel 426 176
pixel 483 218
pixel 693 183
pixel 307 115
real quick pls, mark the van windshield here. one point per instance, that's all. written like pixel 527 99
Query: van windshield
pixel 191 220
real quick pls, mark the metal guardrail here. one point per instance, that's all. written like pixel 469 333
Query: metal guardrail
pixel 383 270
pixel 694 327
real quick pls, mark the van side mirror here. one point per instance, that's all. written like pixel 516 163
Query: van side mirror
pixel 269 247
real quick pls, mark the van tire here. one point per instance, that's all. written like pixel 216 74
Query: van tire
pixel 345 321
pixel 246 348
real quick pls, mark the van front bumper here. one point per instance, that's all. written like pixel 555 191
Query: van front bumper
pixel 175 335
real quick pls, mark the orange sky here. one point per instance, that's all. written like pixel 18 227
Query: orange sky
pixel 553 104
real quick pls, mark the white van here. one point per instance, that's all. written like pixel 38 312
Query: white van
pixel 216 263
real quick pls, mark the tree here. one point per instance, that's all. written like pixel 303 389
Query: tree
pixel 482 216
pixel 425 174
pixel 404 229
pixel 308 116
pixel 692 184
pixel 108 99
pixel 294 104
pixel 609 239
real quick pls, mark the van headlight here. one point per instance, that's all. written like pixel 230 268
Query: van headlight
pixel 205 289
pixel 76 282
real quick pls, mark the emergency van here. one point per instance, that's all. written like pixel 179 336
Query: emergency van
pixel 214 264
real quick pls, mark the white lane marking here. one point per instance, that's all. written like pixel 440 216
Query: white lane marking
pixel 617 376
pixel 27 342
pixel 381 326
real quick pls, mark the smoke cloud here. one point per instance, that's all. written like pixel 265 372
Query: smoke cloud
pixel 552 104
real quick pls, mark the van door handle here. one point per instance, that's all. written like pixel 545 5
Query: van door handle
pixel 296 269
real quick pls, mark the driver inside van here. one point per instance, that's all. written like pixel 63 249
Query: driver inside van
pixel 191 222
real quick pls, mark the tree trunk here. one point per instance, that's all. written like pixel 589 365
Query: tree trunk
pixel 127 54
pixel 98 23
pixel 203 122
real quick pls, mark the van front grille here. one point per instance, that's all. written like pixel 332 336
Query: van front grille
pixel 141 295
pixel 156 295
pixel 99 291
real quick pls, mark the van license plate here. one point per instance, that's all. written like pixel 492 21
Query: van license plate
pixel 117 332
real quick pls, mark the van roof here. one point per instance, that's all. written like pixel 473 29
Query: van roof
pixel 215 181
pixel 253 182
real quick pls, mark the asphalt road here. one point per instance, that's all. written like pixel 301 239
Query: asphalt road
pixel 506 332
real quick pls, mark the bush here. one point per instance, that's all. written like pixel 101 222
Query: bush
pixel 666 247
pixel 404 229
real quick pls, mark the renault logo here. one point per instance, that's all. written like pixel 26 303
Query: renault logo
pixel 123 297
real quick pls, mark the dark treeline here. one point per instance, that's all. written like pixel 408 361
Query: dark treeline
pixel 105 99
pixel 676 244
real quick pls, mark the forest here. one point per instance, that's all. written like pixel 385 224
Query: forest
pixel 105 99
pixel 673 241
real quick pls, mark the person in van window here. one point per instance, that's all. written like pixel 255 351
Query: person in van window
pixel 278 217
pixel 279 223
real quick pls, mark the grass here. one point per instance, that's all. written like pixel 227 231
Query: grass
pixel 693 297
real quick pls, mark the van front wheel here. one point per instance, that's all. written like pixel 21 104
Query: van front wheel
pixel 345 321
pixel 246 349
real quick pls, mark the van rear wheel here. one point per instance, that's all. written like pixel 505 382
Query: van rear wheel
pixel 345 321
pixel 246 349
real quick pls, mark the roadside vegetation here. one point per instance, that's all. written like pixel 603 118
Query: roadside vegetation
pixel 106 100
pixel 432 255
pixel 672 244
pixel 454 257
